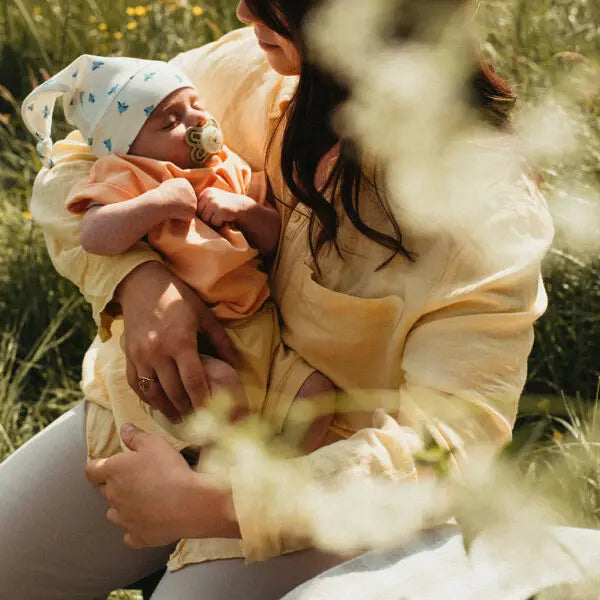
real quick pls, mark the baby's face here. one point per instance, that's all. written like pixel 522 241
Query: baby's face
pixel 163 135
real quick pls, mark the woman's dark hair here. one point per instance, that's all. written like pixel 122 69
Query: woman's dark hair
pixel 309 135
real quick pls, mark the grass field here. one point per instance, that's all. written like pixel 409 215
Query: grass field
pixel 45 326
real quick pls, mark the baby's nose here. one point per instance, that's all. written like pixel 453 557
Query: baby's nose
pixel 198 119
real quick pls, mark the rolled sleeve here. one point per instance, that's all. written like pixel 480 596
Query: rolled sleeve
pixel 464 364
pixel 97 277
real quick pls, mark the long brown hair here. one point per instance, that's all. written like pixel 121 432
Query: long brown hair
pixel 309 135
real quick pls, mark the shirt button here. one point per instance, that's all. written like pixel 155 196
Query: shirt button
pixel 296 216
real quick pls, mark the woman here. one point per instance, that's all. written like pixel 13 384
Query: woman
pixel 370 301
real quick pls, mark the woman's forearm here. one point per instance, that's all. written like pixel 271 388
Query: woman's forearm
pixel 212 500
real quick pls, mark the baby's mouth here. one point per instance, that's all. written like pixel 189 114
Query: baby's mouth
pixel 204 141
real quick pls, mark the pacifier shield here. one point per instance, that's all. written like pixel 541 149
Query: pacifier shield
pixel 204 141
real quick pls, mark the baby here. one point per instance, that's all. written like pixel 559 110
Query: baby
pixel 164 174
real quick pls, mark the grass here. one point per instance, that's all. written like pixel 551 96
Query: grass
pixel 45 327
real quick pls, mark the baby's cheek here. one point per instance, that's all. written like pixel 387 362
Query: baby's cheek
pixel 181 153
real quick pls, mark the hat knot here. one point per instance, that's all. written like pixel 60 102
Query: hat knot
pixel 44 150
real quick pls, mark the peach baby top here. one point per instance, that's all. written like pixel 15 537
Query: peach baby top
pixel 220 265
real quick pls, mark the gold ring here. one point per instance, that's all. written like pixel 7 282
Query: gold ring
pixel 144 383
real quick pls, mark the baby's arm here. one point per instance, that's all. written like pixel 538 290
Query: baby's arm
pixel 258 220
pixel 112 229
pixel 260 223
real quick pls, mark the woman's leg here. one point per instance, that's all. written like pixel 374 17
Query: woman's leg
pixel 55 542
pixel 232 579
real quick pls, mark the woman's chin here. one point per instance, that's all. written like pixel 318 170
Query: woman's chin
pixel 279 61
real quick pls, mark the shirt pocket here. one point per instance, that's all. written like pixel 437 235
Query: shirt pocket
pixel 353 341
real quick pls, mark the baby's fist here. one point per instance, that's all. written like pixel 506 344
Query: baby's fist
pixel 179 197
pixel 217 207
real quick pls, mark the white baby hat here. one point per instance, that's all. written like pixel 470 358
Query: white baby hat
pixel 107 98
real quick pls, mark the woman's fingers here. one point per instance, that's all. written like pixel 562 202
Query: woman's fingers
pixel 193 377
pixel 133 542
pixel 153 394
pixel 209 326
pixel 113 516
pixel 95 471
pixel 171 381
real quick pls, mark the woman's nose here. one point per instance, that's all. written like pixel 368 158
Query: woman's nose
pixel 243 13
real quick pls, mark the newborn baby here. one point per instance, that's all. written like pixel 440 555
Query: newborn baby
pixel 164 175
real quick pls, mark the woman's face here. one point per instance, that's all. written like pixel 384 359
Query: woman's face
pixel 281 53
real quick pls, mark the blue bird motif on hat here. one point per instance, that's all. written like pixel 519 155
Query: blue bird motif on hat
pixel 96 91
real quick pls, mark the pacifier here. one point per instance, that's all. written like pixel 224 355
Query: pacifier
pixel 204 141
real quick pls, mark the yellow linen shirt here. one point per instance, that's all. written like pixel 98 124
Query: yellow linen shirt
pixel 446 338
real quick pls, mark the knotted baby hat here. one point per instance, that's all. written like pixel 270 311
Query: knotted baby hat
pixel 107 98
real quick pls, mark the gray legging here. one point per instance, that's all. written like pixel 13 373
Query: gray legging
pixel 55 542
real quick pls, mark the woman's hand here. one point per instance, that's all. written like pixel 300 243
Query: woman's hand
pixel 162 318
pixel 156 498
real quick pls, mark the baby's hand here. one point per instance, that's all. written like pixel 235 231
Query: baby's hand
pixel 178 198
pixel 217 207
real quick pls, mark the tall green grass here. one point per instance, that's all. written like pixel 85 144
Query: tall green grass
pixel 538 46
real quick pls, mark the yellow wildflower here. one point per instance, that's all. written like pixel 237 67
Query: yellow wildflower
pixel 197 11
pixel 557 436
pixel 92 19
pixel 130 11
pixel 131 25
pixel 544 404
pixel 4 118
pixel 103 27
pixel 118 35
pixel 140 10
pixel 27 214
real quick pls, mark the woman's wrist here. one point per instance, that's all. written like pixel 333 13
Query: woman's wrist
pixel 212 501
pixel 135 279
